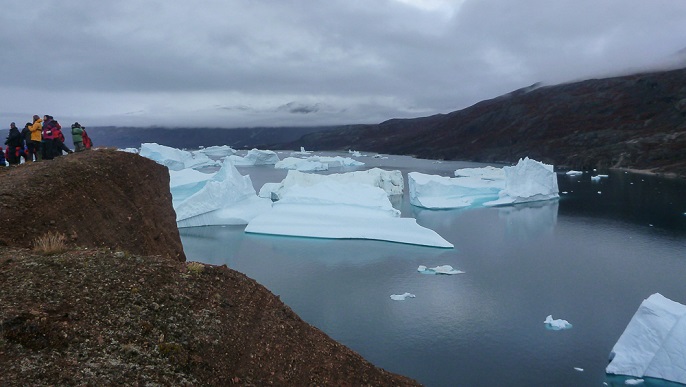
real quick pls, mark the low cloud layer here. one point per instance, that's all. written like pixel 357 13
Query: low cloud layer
pixel 248 63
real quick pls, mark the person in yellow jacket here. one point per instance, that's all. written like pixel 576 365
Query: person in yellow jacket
pixel 34 146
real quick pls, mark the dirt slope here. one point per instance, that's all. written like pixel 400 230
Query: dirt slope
pixel 120 307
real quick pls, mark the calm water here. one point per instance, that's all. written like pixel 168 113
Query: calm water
pixel 589 258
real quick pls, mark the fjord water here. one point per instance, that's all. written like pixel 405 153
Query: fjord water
pixel 590 258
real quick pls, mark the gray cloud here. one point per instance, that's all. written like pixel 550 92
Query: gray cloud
pixel 242 63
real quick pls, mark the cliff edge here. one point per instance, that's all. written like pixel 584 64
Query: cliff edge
pixel 121 307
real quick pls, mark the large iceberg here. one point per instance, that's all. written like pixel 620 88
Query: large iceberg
pixel 338 210
pixel 528 181
pixel 440 192
pixel 174 159
pixel 186 182
pixel 391 182
pixel 256 157
pixel 228 198
pixel 654 343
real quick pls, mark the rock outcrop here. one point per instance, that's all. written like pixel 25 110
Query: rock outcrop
pixel 98 198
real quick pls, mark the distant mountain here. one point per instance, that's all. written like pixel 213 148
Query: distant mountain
pixel 636 121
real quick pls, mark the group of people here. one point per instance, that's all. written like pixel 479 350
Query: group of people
pixel 41 140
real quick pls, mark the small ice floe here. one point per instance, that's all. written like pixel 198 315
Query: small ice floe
pixel 579 369
pixel 574 173
pixel 600 192
pixel 402 297
pixel 565 192
pixel 633 382
pixel 556 325
pixel 445 269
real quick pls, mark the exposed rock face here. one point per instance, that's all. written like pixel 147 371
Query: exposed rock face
pixel 636 121
pixel 98 198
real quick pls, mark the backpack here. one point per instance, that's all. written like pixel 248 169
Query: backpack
pixel 86 140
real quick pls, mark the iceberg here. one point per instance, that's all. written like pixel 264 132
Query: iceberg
pixel 303 165
pixel 440 192
pixel 174 159
pixel 302 152
pixel 338 210
pixel 487 173
pixel 574 173
pixel 217 151
pixel 528 181
pixel 186 182
pixel 653 343
pixel 391 182
pixel 444 269
pixel 556 325
pixel 336 161
pixel 256 157
pixel 228 198
pixel 402 297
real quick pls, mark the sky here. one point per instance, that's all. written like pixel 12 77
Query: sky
pixel 250 63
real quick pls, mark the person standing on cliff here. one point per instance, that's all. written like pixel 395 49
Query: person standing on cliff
pixel 36 137
pixel 15 145
pixel 77 137
pixel 48 137
pixel 26 136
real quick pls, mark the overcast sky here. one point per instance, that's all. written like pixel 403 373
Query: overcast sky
pixel 233 63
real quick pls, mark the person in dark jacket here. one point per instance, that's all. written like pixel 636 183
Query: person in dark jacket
pixel 26 134
pixel 15 145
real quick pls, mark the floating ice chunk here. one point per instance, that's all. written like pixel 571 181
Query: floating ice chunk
pixel 302 152
pixel 256 157
pixel 302 165
pixel 528 181
pixel 336 161
pixel 355 153
pixel 217 151
pixel 574 173
pixel 633 382
pixel 487 173
pixel 579 369
pixel 556 325
pixel 445 269
pixel 402 297
pixel 440 192
pixel 391 182
pixel 227 198
pixel 172 158
pixel 332 209
pixel 653 343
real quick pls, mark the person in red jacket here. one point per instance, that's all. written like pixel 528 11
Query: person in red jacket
pixel 49 135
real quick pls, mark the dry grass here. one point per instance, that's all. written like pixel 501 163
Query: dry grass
pixel 195 267
pixel 50 243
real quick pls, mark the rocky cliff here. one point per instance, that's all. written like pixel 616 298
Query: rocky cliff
pixel 636 121
pixel 100 198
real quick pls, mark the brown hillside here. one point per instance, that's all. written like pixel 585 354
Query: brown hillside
pixel 636 121
pixel 100 198
pixel 121 307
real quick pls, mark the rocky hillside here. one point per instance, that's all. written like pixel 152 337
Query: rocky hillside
pixel 636 121
pixel 102 198
pixel 120 306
